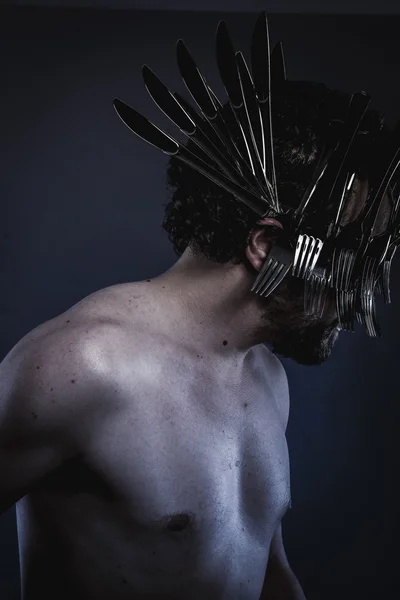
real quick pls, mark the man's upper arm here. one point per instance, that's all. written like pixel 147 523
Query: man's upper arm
pixel 45 390
pixel 277 554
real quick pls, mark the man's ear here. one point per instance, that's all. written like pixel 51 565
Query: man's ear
pixel 261 240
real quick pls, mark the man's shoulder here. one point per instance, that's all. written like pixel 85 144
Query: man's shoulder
pixel 81 345
pixel 62 379
pixel 275 371
pixel 93 321
pixel 272 363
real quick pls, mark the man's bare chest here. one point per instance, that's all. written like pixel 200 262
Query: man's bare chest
pixel 216 454
pixel 185 485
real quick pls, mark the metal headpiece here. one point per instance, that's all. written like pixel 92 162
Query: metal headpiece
pixel 234 148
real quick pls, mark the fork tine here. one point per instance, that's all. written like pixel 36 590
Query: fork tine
pixel 368 281
pixel 277 265
pixel 375 322
pixel 364 296
pixel 370 317
pixel 303 254
pixel 387 265
pixel 359 305
pixel 318 293
pixel 386 281
pixel 309 294
pixel 342 270
pixel 308 258
pixel 374 319
pixel 262 276
pixel 344 302
pixel 297 255
pixel 334 269
pixel 307 253
pixel 272 275
pixel 368 306
pixel 339 269
pixel 379 282
pixel 344 309
pixel 346 297
pixel 342 277
pixel 320 304
pixel 352 309
pixel 317 251
pixel 324 293
pixel 279 274
pixel 340 308
pixel 348 267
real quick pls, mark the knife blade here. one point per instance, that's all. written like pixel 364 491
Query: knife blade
pixel 150 133
pixel 169 105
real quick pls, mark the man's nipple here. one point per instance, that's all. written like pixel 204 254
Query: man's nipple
pixel 179 522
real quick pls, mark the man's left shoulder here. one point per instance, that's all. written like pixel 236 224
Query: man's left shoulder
pixel 279 381
pixel 273 364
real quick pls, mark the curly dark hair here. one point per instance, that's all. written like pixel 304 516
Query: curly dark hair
pixel 210 220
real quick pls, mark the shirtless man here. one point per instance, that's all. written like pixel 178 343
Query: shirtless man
pixel 143 430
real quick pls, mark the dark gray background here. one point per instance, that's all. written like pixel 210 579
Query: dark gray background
pixel 376 7
pixel 81 202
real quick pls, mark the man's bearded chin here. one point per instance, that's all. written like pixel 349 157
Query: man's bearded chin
pixel 306 339
pixel 310 346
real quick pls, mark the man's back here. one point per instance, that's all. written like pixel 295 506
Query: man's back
pixel 152 473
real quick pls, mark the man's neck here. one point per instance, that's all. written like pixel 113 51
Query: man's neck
pixel 210 307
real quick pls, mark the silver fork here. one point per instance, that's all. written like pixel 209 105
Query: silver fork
pixel 341 269
pixel 385 267
pixel 378 248
pixel 308 250
pixel 341 280
pixel 377 252
pixel 367 315
pixel 318 280
pixel 277 265
pixel 346 308
pixel 384 279
pixel 332 172
pixel 316 288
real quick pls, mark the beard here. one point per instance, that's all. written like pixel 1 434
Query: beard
pixel 305 338
pixel 311 347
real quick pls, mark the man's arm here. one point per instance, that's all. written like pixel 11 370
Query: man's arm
pixel 280 583
pixel 47 388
